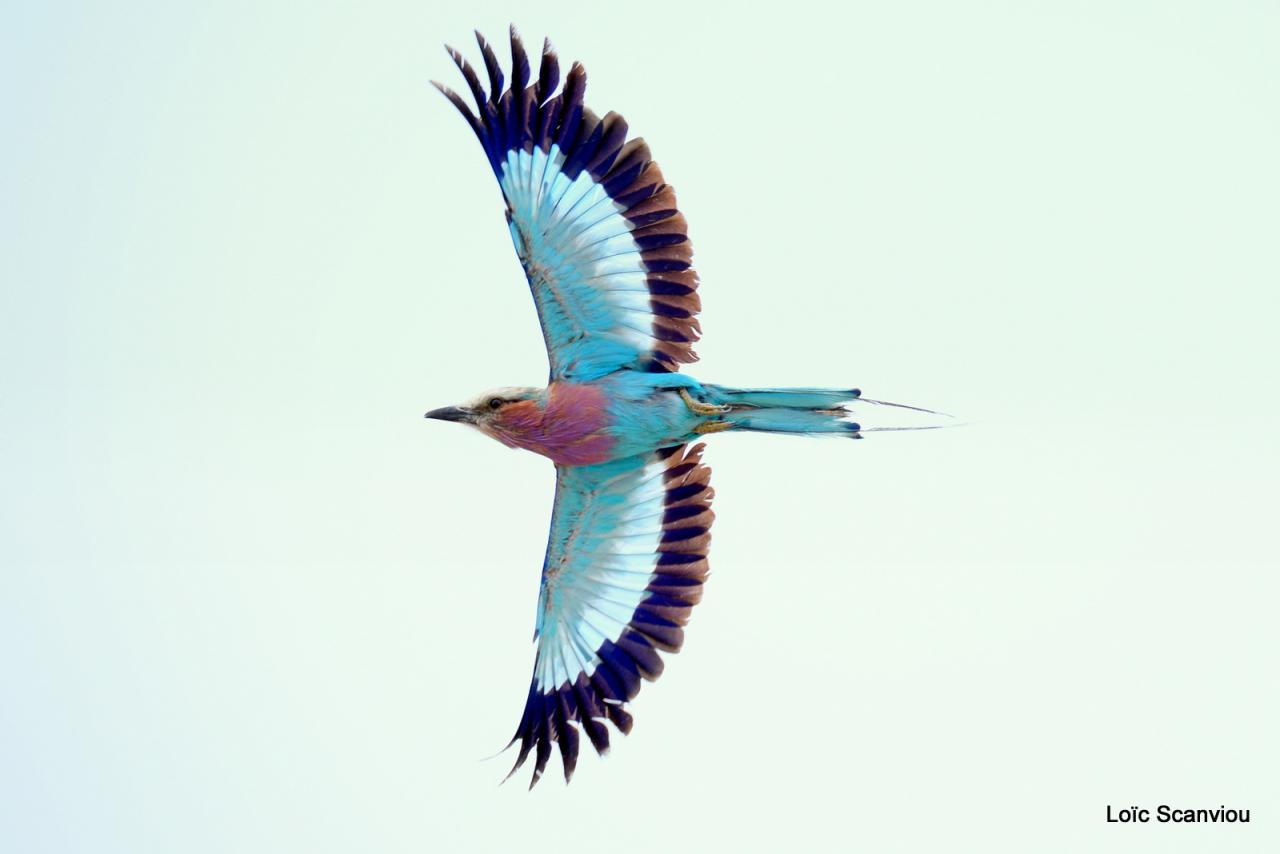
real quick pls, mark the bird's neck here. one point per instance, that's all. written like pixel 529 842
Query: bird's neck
pixel 569 424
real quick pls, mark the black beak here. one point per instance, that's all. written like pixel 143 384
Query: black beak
pixel 450 413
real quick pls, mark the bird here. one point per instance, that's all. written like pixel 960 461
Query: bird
pixel 608 260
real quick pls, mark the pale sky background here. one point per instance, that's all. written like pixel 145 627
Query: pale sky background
pixel 250 601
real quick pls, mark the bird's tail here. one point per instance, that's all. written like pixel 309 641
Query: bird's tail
pixel 814 411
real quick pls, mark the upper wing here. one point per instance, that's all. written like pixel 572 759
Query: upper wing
pixel 625 563
pixel 595 226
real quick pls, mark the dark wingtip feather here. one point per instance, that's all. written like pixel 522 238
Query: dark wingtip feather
pixel 548 73
pixel 519 62
pixel 473 80
pixel 568 751
pixel 461 106
pixel 542 753
pixel 493 67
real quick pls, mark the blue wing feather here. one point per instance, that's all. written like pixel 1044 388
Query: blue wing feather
pixel 618 583
pixel 596 227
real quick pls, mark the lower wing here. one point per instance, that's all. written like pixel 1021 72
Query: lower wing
pixel 625 564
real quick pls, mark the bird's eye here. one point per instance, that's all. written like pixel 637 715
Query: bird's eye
pixel 495 403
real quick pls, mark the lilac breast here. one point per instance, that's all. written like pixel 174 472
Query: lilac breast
pixel 569 427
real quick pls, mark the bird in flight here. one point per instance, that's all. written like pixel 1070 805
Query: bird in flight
pixel 608 259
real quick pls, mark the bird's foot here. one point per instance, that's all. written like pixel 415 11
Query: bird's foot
pixel 713 426
pixel 697 407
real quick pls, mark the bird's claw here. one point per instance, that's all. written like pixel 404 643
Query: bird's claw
pixel 712 427
pixel 697 407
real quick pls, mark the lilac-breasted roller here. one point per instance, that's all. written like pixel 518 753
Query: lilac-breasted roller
pixel 608 260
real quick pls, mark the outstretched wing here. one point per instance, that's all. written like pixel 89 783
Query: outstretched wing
pixel 594 223
pixel 626 559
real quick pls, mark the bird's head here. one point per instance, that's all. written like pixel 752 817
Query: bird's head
pixel 500 412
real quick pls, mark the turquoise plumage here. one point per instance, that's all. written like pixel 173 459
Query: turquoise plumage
pixel 609 264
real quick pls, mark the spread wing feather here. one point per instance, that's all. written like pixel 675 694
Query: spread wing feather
pixel 595 224
pixel 626 560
